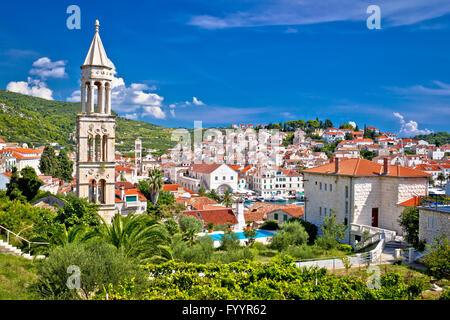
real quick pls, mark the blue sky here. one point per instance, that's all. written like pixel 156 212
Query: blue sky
pixel 253 61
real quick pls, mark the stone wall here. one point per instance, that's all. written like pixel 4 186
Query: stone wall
pixel 440 226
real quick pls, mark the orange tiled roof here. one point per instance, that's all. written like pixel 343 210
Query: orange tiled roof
pixel 412 202
pixel 205 167
pixel 175 187
pixel 217 216
pixel 363 167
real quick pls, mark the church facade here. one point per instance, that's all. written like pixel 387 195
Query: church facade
pixel 95 131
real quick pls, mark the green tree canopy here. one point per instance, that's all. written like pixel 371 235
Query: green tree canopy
pixel 77 211
pixel 65 167
pixel 29 183
pixel 49 163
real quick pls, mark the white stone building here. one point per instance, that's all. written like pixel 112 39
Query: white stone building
pixel 361 192
pixel 219 177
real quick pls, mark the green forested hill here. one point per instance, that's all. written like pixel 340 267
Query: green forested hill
pixel 440 138
pixel 38 121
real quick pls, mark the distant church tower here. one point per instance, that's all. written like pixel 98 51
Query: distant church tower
pixel 96 131
pixel 138 155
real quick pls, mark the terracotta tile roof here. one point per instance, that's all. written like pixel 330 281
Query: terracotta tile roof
pixel 363 167
pixel 175 187
pixel 205 167
pixel 25 150
pixel 130 192
pixel 412 202
pixel 2 141
pixel 125 184
pixel 259 210
pixel 120 168
pixel 217 216
pixel 427 167
pixel 8 174
pixel 197 202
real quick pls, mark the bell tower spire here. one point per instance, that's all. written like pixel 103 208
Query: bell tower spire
pixel 96 130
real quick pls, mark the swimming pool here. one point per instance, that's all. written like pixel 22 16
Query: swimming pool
pixel 259 234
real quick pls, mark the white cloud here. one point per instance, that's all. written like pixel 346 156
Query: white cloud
pixel 132 116
pixel 155 112
pixel 197 102
pixel 410 128
pixel 294 12
pixel 438 88
pixel 32 87
pixel 75 96
pixel 45 68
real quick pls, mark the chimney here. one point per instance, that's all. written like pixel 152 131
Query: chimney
pixel 336 165
pixel 385 166
pixel 122 192
pixel 240 213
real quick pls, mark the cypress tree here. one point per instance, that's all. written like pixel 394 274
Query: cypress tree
pixel 65 166
pixel 49 164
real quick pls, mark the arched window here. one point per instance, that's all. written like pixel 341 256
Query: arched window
pixel 98 150
pixel 92 191
pixel 90 150
pixel 101 191
pixel 104 148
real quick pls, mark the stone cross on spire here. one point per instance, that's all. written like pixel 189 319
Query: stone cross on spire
pixel 97 25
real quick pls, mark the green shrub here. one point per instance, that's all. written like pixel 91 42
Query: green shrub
pixel 311 229
pixel 230 241
pixel 270 225
pixel 291 233
pixel 190 223
pixel 233 255
pixel 199 252
pixel 445 295
pixel 259 246
pixel 99 263
pixel 437 260
pixel 345 248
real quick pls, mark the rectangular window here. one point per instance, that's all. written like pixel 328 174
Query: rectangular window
pixel 275 216
pixel 217 178
pixel 346 192
pixel 346 207
pixel 131 198
pixel 325 187
pixel 320 211
pixel 231 178
pixel 331 187
pixel 320 186
pixel 224 178
pixel 284 217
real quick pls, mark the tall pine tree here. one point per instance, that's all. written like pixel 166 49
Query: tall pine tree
pixel 49 163
pixel 65 167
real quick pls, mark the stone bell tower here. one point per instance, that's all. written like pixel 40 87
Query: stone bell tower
pixel 96 131
pixel 138 155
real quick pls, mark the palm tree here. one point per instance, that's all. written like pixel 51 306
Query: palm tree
pixel 138 237
pixel 227 199
pixel 77 233
pixel 213 195
pixel 155 184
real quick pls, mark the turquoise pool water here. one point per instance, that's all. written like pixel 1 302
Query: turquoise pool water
pixel 259 234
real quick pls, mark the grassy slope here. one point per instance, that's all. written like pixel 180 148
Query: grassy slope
pixel 16 275
pixel 38 121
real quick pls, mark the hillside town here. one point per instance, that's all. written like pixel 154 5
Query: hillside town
pixel 326 190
